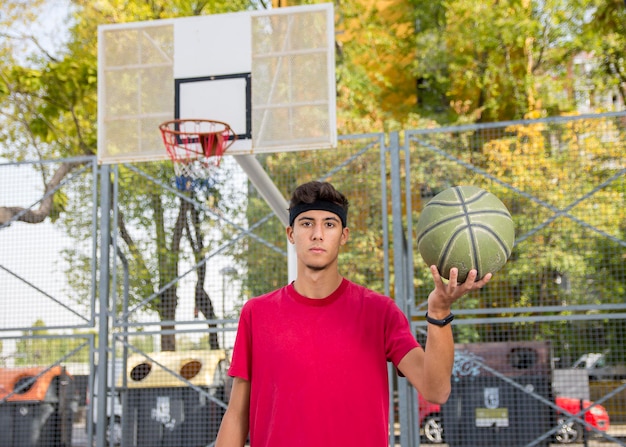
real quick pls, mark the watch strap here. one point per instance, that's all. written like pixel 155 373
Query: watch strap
pixel 441 323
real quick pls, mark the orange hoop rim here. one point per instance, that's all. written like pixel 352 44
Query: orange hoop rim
pixel 183 138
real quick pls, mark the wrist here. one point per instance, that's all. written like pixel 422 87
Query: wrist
pixel 438 313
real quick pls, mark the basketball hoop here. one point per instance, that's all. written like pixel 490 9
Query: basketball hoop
pixel 196 147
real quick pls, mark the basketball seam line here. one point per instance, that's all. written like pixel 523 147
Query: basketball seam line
pixel 446 249
pixel 462 199
pixel 475 255
pixel 501 242
pixel 473 242
pixel 503 246
pixel 435 225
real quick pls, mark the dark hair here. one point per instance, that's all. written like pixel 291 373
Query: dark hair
pixel 318 192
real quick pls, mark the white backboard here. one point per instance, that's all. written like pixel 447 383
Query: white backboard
pixel 269 74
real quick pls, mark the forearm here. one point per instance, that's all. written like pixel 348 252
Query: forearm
pixel 233 431
pixel 438 363
pixel 439 351
pixel 430 370
pixel 236 421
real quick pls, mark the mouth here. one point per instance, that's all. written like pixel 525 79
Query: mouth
pixel 317 250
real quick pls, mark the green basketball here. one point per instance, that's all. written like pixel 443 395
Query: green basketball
pixel 468 228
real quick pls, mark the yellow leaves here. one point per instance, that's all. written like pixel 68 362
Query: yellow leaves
pixel 23 79
pixel 560 164
pixel 60 202
pixel 378 51
pixel 534 114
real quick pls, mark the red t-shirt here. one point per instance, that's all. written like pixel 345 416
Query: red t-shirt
pixel 318 367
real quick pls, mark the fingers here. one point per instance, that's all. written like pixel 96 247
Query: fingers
pixel 446 293
pixel 453 277
pixel 484 280
pixel 470 283
pixel 434 271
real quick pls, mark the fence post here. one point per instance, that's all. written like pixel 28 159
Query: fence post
pixel 103 300
pixel 407 398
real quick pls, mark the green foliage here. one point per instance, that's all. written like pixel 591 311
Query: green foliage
pixel 604 37
pixel 567 251
pixel 359 179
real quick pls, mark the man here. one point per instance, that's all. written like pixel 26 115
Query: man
pixel 310 359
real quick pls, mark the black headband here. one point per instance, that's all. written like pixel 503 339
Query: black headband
pixel 323 205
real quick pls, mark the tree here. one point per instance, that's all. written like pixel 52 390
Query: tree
pixel 471 61
pixel 570 261
pixel 49 110
pixel 604 36
pixel 487 60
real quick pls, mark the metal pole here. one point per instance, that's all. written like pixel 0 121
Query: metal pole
pixel 268 190
pixel 223 309
pixel 407 397
pixel 225 271
pixel 265 186
pixel 103 298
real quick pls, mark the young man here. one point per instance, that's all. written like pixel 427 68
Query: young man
pixel 310 359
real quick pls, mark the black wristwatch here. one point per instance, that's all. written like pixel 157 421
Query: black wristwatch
pixel 440 323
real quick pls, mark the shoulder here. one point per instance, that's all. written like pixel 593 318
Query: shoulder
pixel 364 291
pixel 264 300
pixel 376 306
pixel 369 296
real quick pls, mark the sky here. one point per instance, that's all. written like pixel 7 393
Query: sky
pixel 32 279
pixel 32 252
pixel 49 28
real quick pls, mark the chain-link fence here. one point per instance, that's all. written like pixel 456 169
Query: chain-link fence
pixel 171 270
pixel 540 358
pixel 47 321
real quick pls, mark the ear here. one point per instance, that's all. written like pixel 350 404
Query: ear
pixel 345 235
pixel 289 232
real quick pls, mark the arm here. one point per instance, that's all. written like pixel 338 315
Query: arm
pixel 235 423
pixel 430 370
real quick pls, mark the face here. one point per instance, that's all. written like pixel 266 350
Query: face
pixel 317 236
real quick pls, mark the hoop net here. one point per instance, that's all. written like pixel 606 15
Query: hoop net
pixel 196 147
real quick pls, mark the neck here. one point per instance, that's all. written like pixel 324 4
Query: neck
pixel 317 285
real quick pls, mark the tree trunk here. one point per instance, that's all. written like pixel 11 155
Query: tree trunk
pixel 203 302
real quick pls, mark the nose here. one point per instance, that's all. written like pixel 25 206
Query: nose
pixel 317 234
